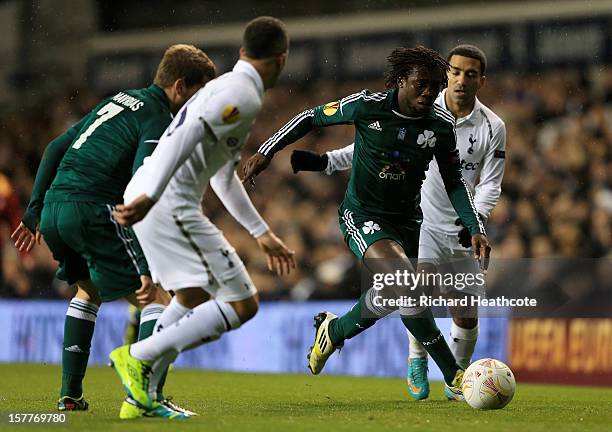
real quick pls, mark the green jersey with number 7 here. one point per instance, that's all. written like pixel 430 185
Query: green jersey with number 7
pixel 109 144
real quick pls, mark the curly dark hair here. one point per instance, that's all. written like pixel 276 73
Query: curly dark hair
pixel 402 61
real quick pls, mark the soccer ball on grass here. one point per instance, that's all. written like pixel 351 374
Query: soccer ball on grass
pixel 488 384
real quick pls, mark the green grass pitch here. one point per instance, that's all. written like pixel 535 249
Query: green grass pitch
pixel 260 402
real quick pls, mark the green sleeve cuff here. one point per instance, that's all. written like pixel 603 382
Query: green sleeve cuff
pixel 31 220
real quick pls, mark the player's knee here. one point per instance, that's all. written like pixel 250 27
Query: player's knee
pixel 162 296
pixel 191 297
pixel 246 309
pixel 466 322
pixel 384 248
pixel 88 292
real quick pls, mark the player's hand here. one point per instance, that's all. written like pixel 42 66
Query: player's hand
pixel 147 291
pixel 482 251
pixel 25 239
pixel 306 160
pixel 256 164
pixel 465 239
pixel 280 258
pixel 133 212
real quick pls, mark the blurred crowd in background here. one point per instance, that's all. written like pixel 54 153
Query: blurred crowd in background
pixel 556 199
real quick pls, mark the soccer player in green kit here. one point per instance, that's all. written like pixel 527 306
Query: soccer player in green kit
pixel 398 132
pixel 82 175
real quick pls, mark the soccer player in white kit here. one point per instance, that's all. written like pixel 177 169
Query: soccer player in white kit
pixel 444 244
pixel 185 251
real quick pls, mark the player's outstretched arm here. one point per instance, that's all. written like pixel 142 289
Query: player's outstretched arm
pixel 54 152
pixel 295 129
pixel 340 159
pixel 281 260
pixel 256 164
pixel 461 199
pixel 229 189
pixel 231 193
pixel 26 235
pixel 344 111
pixel 173 149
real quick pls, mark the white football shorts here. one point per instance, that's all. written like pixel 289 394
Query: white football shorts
pixel 444 251
pixel 185 249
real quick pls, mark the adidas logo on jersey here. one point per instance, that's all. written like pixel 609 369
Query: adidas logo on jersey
pixel 375 126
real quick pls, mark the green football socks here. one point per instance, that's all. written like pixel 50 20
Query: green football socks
pixel 423 327
pixel 359 318
pixel 364 315
pixel 148 317
pixel 78 332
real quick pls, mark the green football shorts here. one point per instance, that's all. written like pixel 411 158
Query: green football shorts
pixel 89 244
pixel 361 230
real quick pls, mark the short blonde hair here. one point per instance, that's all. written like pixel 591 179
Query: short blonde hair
pixel 186 62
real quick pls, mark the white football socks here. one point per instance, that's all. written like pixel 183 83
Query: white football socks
pixel 415 348
pixel 173 312
pixel 205 323
pixel 462 343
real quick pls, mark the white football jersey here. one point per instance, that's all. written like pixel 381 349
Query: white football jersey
pixel 481 141
pixel 206 134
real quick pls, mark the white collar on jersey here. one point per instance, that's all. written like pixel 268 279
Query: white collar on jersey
pixel 471 117
pixel 399 114
pixel 247 68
